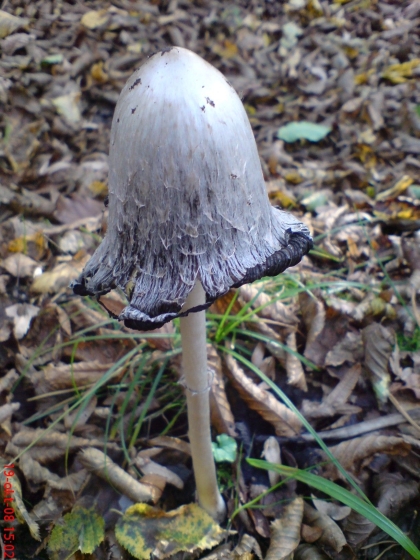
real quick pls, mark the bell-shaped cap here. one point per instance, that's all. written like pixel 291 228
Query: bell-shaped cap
pixel 187 198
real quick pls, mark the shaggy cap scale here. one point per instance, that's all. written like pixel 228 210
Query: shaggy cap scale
pixel 187 198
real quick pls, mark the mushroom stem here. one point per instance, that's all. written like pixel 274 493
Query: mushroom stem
pixel 197 383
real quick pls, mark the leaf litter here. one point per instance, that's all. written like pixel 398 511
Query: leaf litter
pixel 332 93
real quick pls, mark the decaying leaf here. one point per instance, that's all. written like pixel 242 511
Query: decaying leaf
pixel 294 368
pixel 271 454
pixel 97 462
pixel 351 453
pixel 22 315
pixel 309 552
pixel 19 265
pixel 63 376
pixel 81 529
pixel 246 545
pixel 285 422
pixel 60 277
pixel 12 489
pixel 378 342
pixel 335 511
pixel 149 467
pixel 10 23
pixel 332 535
pixel 144 530
pixel 275 310
pixel 335 402
pixel 221 414
pixel 285 532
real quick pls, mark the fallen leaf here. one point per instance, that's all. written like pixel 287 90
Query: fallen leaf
pixel 332 535
pixel 81 529
pixel 19 266
pixel 10 23
pixel 378 342
pixel 220 412
pixel 22 315
pixel 285 532
pixel 99 463
pixel 144 531
pixel 95 18
pixel 285 422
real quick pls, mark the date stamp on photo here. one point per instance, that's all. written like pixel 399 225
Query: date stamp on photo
pixel 8 536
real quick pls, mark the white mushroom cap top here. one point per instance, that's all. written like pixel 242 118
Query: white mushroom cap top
pixel 187 198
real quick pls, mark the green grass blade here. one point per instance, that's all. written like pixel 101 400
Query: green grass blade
pixel 345 497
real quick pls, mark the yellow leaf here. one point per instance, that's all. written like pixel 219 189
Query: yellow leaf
pixel 363 77
pixel 95 18
pixel 98 188
pixel 97 72
pixel 400 73
pixel 400 187
pixel 81 529
pixel 144 531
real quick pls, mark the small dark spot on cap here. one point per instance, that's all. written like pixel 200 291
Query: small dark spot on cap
pixel 233 176
pixel 210 102
pixel 136 83
pixel 203 108
pixel 106 201
pixel 118 120
pixel 168 49
pixel 133 110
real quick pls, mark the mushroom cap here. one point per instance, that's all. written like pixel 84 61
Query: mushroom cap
pixel 187 197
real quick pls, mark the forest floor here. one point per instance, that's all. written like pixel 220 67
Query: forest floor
pixel 338 335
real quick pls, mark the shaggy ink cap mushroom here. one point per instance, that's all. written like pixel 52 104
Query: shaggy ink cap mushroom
pixel 187 198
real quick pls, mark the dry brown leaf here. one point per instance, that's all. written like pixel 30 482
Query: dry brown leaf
pixel 331 509
pixel 72 483
pixel 246 545
pixel 148 467
pixel 260 522
pixel 335 402
pixel 8 380
pixel 394 492
pixel 332 535
pixel 285 532
pixel 271 454
pixel 78 419
pixel 285 422
pixel 6 411
pixel 378 342
pixel 310 534
pixel 221 414
pixel 309 552
pixel 34 471
pixel 351 453
pixel 294 368
pixel 59 278
pixel 350 350
pixel 64 376
pixel 97 462
pixel 48 445
pixel 313 314
pixel 19 265
pixel 171 443
pixel 277 311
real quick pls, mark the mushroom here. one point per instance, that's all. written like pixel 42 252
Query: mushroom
pixel 189 218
